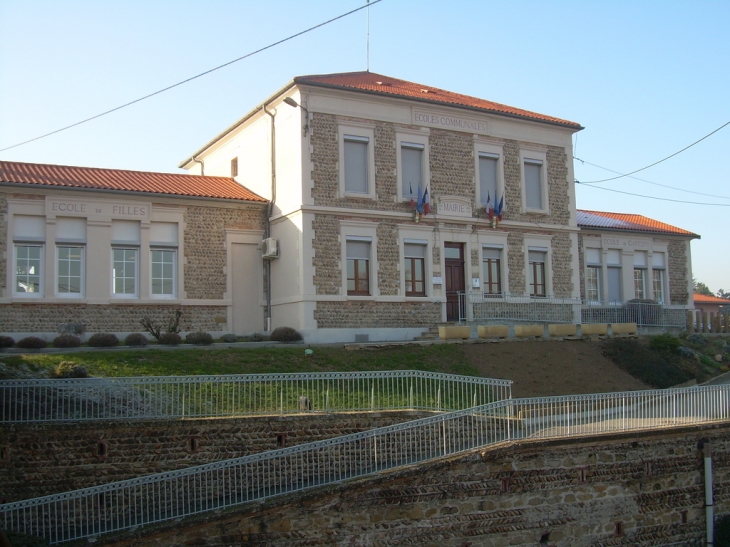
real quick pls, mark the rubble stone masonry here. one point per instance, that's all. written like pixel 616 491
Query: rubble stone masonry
pixel 372 314
pixel 641 489
pixel 561 266
pixel 677 268
pixel 388 258
pixel 327 255
pixel 516 263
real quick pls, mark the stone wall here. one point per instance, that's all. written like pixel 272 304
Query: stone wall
pixel 516 263
pixel 52 458
pixel 327 255
pixel 562 265
pixel 372 314
pixel 644 489
pixel 205 251
pixel 46 318
pixel 388 258
pixel 677 268
pixel 581 267
pixel 451 159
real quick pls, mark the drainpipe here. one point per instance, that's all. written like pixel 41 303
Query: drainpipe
pixel 202 166
pixel 704 446
pixel 269 212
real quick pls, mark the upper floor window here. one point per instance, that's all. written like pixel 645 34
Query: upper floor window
pixel 415 268
pixel 412 164
pixel 534 179
pixel 536 272
pixel 357 161
pixel 358 266
pixel 488 179
pixel 492 270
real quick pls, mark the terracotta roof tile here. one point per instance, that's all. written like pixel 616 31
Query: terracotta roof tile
pixel 66 176
pixel 704 299
pixel 628 222
pixel 385 85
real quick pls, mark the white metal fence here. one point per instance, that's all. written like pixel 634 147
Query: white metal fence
pixel 156 498
pixel 241 394
pixel 510 308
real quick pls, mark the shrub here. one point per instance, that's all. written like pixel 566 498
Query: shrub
pixel 31 342
pixel 17 539
pixel 256 337
pixel 135 339
pixel 155 329
pixel 66 341
pixel 103 340
pixel 6 342
pixel 169 339
pixel 656 369
pixel 199 338
pixel 665 343
pixel 722 531
pixel 285 334
pixel 229 338
pixel 69 369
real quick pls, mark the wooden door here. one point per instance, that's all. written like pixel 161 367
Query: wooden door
pixel 454 265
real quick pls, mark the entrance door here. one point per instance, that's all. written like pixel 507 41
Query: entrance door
pixel 248 316
pixel 454 264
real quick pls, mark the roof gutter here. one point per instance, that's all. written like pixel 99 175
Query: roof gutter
pixel 636 231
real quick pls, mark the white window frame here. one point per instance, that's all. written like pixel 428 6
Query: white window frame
pixel 662 271
pixel 136 250
pixel 499 241
pixel 365 131
pixel 82 276
pixel 420 235
pixel 172 250
pixel 536 156
pixel 490 150
pixel 41 269
pixel 359 231
pixel 541 244
pixel 600 267
pixel 420 138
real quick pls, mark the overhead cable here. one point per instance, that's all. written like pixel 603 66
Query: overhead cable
pixel 654 197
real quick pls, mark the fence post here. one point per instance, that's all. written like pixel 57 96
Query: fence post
pixel 705 318
pixel 690 321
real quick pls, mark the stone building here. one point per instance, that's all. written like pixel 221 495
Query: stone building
pixel 386 207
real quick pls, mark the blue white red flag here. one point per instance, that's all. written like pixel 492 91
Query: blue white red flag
pixel 419 203
pixel 410 187
pixel 426 203
pixel 490 207
pixel 500 208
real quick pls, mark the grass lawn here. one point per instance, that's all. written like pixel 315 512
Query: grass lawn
pixel 448 358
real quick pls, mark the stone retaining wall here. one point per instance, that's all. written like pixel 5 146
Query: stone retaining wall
pixel 372 314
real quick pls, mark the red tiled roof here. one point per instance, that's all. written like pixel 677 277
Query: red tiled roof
pixel 385 85
pixel 704 299
pixel 66 176
pixel 630 223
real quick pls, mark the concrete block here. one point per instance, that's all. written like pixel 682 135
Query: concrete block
pixel 624 328
pixel 594 328
pixel 446 333
pixel 561 329
pixel 523 331
pixel 493 331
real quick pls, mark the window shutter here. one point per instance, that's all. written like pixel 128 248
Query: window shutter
pixel 356 164
pixel 657 260
pixel 536 256
pixel 414 250
pixel 26 227
pixel 640 259
pixel 487 178
pixel 358 250
pixel 491 252
pixel 126 231
pixel 412 164
pixel 533 185
pixel 163 232
pixel 71 229
pixel 614 284
pixel 613 257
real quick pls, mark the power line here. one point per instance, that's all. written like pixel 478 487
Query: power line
pixel 193 77
pixel 654 197
pixel 650 182
pixel 656 162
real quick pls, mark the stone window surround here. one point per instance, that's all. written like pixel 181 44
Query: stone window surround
pixel 416 137
pixel 539 154
pixel 359 229
pixel 357 129
pixel 488 147
pixel 416 234
pixel 544 242
pixel 36 207
pixel 496 239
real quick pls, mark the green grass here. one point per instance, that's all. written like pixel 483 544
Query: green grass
pixel 446 358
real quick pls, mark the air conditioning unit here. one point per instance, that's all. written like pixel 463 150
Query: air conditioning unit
pixel 269 248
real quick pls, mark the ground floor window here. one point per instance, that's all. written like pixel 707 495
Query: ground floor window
pixel 492 270
pixel 28 262
pixel 536 280
pixel 69 270
pixel 415 269
pixel 125 272
pixel 358 268
pixel 163 272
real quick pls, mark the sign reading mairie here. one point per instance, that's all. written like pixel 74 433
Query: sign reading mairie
pixel 445 121
pixel 454 206
pixel 57 207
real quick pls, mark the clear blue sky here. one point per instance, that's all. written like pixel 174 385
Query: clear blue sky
pixel 644 78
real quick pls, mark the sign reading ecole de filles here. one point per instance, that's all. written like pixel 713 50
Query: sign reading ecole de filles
pixel 97 209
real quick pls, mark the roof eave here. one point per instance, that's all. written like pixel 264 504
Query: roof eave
pixel 636 231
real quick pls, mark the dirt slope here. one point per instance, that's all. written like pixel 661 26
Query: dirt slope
pixel 544 368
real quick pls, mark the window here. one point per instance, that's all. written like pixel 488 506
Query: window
pixel 124 278
pixel 415 268
pixel 28 261
pixel 69 271
pixel 163 272
pixel 358 267
pixel 488 169
pixel 640 274
pixel 658 266
pixel 536 272
pixel 492 270
pixel 356 164
pixel 234 167
pixel 593 275
pixel 613 275
pixel 412 168
pixel 533 184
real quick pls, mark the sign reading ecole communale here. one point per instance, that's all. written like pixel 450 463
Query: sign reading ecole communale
pixel 446 121
pixel 57 207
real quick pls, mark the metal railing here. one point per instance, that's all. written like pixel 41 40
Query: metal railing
pixel 164 496
pixel 509 308
pixel 169 397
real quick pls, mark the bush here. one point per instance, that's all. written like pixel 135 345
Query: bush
pixel 17 539
pixel 656 369
pixel 103 340
pixel 66 341
pixel 6 342
pixel 256 337
pixel 722 531
pixel 285 334
pixel 169 339
pixel 199 338
pixel 69 369
pixel 665 343
pixel 229 338
pixel 31 342
pixel 135 339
